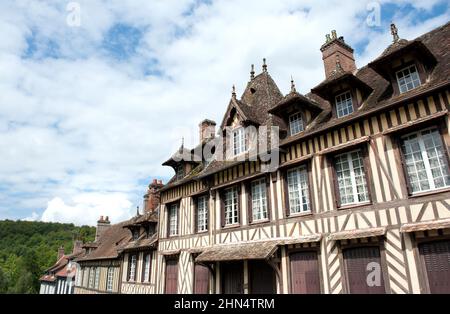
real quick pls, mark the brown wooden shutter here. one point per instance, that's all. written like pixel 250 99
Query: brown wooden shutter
pixel 171 276
pixel 269 198
pixel 248 189
pixel 356 261
pixel 222 207
pixel 403 162
pixel 366 162
pixel 305 277
pixel 201 279
pixel 195 207
pixel 436 257
pixel 337 196
pixel 239 189
pixel 262 278
pixel 286 193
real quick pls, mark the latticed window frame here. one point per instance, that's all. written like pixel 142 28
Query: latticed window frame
pixel 425 158
pixel 259 201
pixel 297 180
pixel 109 279
pixel 173 220
pixel 202 213
pixel 347 156
pixel 296 123
pixel 408 78
pixel 231 206
pixel 132 268
pixel 344 104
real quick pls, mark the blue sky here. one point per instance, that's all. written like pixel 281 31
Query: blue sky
pixel 89 113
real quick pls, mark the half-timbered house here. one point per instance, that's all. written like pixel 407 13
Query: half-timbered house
pixel 359 202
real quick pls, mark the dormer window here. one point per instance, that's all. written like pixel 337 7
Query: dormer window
pixel 180 172
pixel 239 145
pixel 296 123
pixel 135 235
pixel 344 104
pixel 408 79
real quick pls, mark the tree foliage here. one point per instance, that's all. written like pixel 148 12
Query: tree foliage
pixel 27 249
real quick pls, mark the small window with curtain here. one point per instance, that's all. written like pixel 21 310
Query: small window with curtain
pixel 173 220
pixel 132 268
pixel 258 190
pixel 344 104
pixel 408 79
pixel 231 206
pixel 425 161
pixel 296 123
pixel 202 213
pixel 109 279
pixel 238 140
pixel 91 275
pixel 351 178
pixel 298 190
pixel 97 278
pixel 146 268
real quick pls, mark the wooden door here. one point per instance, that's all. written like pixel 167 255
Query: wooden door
pixel 305 277
pixel 232 275
pixel 201 279
pixel 262 278
pixel 436 257
pixel 357 261
pixel 171 276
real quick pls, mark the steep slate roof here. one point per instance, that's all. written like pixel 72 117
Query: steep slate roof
pixel 267 96
pixel 110 241
pixel 142 242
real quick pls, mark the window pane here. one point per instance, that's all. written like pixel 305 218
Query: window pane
pixel 408 79
pixel 239 145
pixel 425 161
pixel 344 104
pixel 259 200
pixel 202 214
pixel 231 206
pixel 351 178
pixel 173 219
pixel 296 123
pixel 298 190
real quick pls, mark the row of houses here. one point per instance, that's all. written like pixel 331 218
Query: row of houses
pixel 350 193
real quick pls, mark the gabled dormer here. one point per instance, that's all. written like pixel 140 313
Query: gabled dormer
pixel 251 110
pixel 182 162
pixel 344 91
pixel 297 112
pixel 407 65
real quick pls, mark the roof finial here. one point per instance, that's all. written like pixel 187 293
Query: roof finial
pixel 252 72
pixel 394 32
pixel 264 65
pixel 233 92
pixel 137 211
pixel 327 38
pixel 293 89
pixel 333 34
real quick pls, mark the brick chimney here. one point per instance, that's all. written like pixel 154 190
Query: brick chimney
pixel 60 252
pixel 152 198
pixel 77 246
pixel 102 225
pixel 335 50
pixel 207 130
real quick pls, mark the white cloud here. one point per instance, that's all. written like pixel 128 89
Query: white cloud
pixel 87 123
pixel 87 208
pixel 34 217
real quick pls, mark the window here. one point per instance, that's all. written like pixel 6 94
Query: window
pixel 135 234
pixel 231 206
pixel 146 270
pixel 97 277
pixel 425 161
pixel 202 213
pixel 91 277
pixel 132 268
pixel 259 200
pixel 180 172
pixel 351 178
pixel 408 79
pixel 344 104
pixel 298 190
pixel 173 220
pixel 239 145
pixel 109 279
pixel 296 123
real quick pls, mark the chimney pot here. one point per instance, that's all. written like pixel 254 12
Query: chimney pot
pixel 207 130
pixel 60 252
